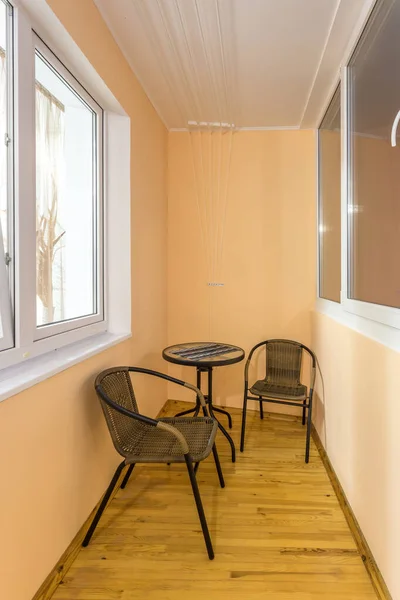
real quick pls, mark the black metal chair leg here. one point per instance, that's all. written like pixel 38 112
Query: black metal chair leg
pixel 103 504
pixel 224 412
pixel 261 409
pixel 308 429
pixel 199 506
pixel 126 478
pixel 196 467
pixel 218 465
pixel 303 419
pixel 243 422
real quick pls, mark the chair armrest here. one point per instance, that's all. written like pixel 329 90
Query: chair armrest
pixel 144 371
pixel 147 420
pixel 198 392
pixel 175 432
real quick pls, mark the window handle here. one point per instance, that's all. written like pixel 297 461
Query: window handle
pixel 394 129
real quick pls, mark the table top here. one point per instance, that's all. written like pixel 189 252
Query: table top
pixel 203 354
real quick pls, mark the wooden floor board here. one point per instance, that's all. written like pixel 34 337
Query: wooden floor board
pixel 277 528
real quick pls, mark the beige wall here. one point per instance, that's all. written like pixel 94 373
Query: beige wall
pixel 268 259
pixel 362 415
pixel 56 458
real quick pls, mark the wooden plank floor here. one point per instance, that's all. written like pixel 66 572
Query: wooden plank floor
pixel 277 528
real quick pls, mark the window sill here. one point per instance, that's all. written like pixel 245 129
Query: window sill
pixel 19 377
pixel 380 332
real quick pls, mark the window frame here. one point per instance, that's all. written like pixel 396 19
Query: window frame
pixel 386 315
pixel 6 341
pixel 338 85
pixel 378 322
pixel 29 339
pixel 52 329
pixel 7 270
pixel 23 367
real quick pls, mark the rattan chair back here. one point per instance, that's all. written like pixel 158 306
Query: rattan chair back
pixel 283 364
pixel 116 384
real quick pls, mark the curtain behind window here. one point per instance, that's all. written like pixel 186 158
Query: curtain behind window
pixel 50 132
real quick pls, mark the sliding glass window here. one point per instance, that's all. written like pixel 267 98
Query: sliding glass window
pixel 374 160
pixel 329 169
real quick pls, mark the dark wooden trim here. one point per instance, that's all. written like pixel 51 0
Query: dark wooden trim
pixel 60 569
pixel 362 545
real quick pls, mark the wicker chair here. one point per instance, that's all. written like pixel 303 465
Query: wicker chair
pixel 140 439
pixel 282 382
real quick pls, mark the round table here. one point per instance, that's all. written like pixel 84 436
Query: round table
pixel 205 356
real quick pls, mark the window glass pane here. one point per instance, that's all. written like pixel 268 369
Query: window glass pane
pixel 65 200
pixel 374 198
pixel 329 165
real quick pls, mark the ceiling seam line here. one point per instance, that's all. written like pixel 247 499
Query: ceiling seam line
pixel 192 62
pixel 209 69
pixel 221 43
pixel 178 58
pixel 146 22
pixel 132 68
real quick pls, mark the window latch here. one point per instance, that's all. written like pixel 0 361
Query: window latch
pixel 7 258
pixel 7 139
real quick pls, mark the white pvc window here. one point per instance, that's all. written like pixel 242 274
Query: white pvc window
pixel 6 178
pixel 370 183
pixel 68 131
pixel 371 283
pixel 374 205
pixel 51 212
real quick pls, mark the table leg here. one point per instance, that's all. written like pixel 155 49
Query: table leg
pixel 187 412
pixel 196 409
pixel 224 412
pixel 198 385
pixel 211 409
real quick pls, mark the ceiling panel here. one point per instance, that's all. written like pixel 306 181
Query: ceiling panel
pixel 252 63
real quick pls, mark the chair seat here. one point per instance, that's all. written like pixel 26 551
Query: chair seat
pixel 156 445
pixel 279 391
